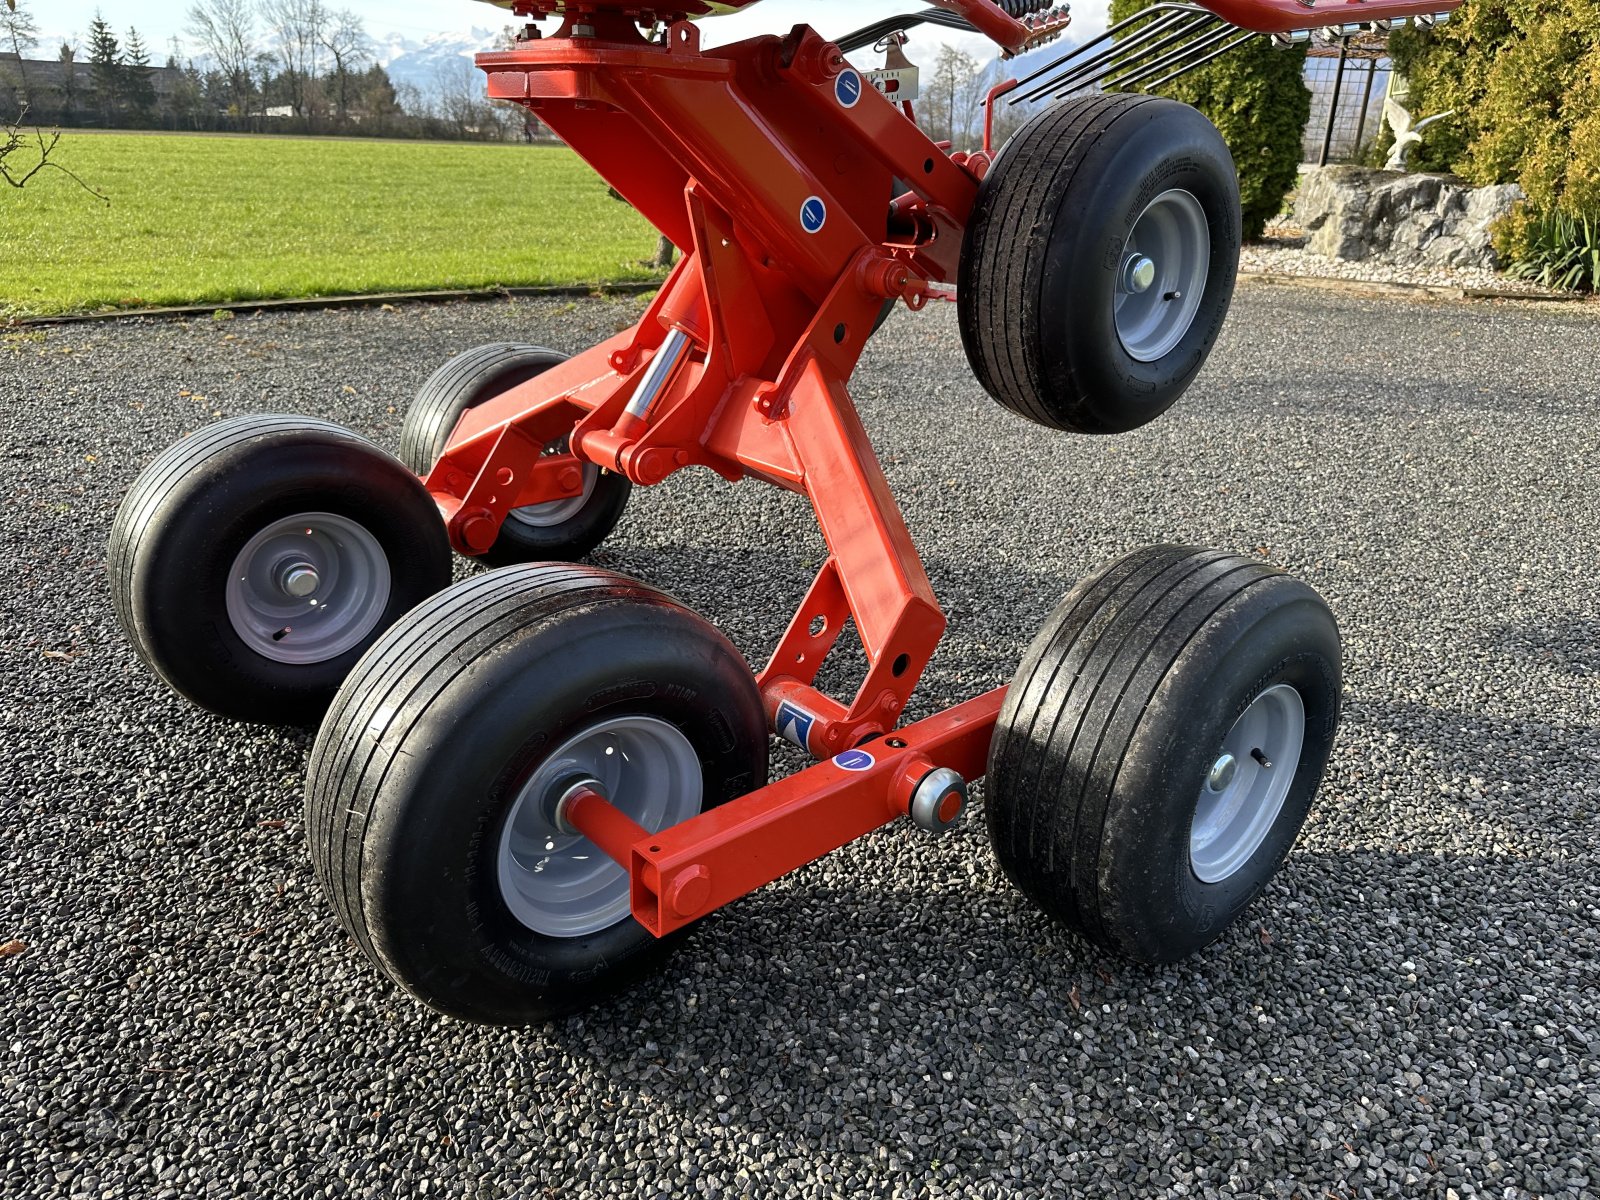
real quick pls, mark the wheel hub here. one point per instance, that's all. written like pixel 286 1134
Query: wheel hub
pixel 1138 273
pixel 1162 280
pixel 1245 789
pixel 299 579
pixel 1222 773
pixel 308 588
pixel 554 880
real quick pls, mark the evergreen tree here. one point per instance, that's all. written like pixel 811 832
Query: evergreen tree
pixel 105 69
pixel 187 100
pixel 1257 96
pixel 68 57
pixel 1524 79
pixel 138 79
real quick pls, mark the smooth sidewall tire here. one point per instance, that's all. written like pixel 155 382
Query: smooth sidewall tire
pixel 1045 247
pixel 419 761
pixel 181 529
pixel 1118 713
pixel 470 379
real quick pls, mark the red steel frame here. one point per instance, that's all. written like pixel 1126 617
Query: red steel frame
pixel 773 170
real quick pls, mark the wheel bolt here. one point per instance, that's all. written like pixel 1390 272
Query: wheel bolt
pixel 1222 772
pixel 299 580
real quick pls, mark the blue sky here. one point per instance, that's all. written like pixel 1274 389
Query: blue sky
pixel 160 20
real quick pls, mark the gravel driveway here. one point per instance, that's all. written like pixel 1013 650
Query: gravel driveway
pixel 1412 1009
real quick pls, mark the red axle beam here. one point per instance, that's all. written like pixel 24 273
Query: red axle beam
pixel 682 873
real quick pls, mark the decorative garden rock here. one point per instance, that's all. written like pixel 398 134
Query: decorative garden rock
pixel 1359 214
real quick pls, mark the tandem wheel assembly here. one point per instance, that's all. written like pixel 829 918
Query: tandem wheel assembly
pixel 527 786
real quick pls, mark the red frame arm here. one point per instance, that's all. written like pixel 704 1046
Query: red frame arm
pixel 1013 35
pixel 1287 16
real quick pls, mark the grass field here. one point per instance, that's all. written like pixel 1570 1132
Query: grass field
pixel 198 220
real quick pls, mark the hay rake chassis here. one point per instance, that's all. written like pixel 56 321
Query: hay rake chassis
pixel 624 807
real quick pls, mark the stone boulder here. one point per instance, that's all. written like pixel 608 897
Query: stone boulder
pixel 1358 214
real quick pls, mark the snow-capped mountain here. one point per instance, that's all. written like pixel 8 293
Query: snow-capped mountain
pixel 428 64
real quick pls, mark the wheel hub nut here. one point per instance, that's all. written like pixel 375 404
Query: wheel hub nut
pixel 939 800
pixel 300 580
pixel 1138 274
pixel 1222 772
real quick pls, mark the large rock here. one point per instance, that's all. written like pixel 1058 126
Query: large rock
pixel 1356 214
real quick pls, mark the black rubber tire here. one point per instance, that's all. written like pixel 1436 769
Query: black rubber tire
pixel 468 380
pixel 1043 248
pixel 416 765
pixel 184 521
pixel 1113 722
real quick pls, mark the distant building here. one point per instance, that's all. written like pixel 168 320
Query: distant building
pixel 43 82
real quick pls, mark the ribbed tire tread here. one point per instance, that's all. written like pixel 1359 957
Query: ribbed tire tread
pixel 1001 271
pixel 1108 647
pixel 166 472
pixel 398 678
pixel 445 395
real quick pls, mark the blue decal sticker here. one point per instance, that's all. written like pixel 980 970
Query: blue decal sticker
pixel 794 723
pixel 813 214
pixel 847 88
pixel 854 760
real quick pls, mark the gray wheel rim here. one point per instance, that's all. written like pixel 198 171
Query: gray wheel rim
pixel 308 588
pixel 1162 277
pixel 1248 782
pixel 557 512
pixel 563 885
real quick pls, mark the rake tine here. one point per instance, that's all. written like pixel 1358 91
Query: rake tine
pixel 867 35
pixel 1177 59
pixel 1173 14
pixel 1246 36
pixel 1174 48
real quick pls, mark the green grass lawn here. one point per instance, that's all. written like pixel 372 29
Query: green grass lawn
pixel 199 220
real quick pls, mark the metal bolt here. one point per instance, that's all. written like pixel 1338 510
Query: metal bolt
pixel 1138 273
pixel 299 579
pixel 1222 772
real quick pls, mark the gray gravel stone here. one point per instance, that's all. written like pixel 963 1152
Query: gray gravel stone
pixel 1410 1010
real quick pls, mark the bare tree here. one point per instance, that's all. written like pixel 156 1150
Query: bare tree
pixel 25 154
pixel 227 29
pixel 19 31
pixel 461 99
pixel 298 27
pixel 345 39
pixel 948 106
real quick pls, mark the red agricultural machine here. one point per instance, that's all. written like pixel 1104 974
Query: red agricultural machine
pixel 527 784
